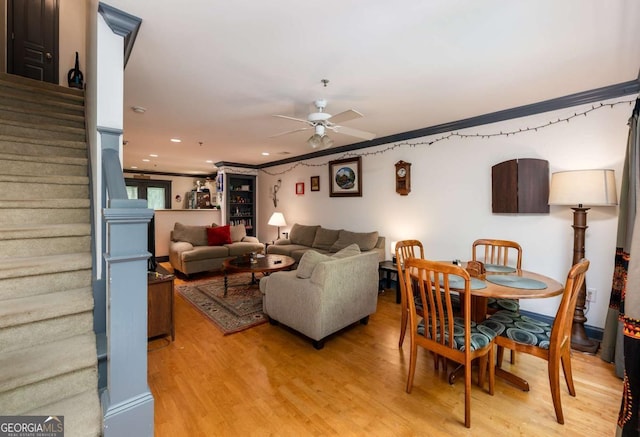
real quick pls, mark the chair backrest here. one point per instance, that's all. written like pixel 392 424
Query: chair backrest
pixel 499 252
pixel 431 283
pixel 406 249
pixel 561 329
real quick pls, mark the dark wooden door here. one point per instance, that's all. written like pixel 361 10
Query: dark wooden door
pixel 32 39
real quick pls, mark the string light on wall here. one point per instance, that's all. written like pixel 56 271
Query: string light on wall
pixel 457 135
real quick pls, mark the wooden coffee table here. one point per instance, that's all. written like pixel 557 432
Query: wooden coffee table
pixel 264 264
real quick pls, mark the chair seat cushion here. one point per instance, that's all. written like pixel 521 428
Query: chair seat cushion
pixel 520 328
pixel 503 304
pixel 481 334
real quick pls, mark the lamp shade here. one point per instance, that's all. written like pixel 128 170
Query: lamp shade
pixel 277 219
pixel 583 187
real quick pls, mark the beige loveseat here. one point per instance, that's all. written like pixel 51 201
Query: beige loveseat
pixel 327 241
pixel 325 294
pixel 190 252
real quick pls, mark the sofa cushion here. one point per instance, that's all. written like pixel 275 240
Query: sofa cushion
pixel 196 235
pixel 325 238
pixel 200 253
pixel 364 240
pixel 308 262
pixel 302 234
pixel 238 232
pixel 219 235
pixel 350 250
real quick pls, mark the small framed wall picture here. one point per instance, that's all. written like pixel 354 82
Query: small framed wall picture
pixel 345 177
pixel 315 183
pixel 299 187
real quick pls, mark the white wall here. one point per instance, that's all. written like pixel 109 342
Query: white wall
pixel 450 203
pixel 71 38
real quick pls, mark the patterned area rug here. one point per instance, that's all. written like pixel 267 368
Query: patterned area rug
pixel 240 310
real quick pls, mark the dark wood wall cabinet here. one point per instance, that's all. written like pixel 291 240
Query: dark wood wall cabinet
pixel 520 186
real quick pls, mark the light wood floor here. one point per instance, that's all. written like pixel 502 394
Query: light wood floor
pixel 268 381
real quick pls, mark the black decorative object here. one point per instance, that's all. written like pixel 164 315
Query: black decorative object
pixel 75 77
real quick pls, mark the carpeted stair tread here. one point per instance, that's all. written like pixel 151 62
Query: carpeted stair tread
pixel 44 231
pixel 38 116
pixel 11 164
pixel 55 180
pixel 82 414
pixel 26 366
pixel 40 87
pixel 48 306
pixel 45 159
pixel 26 101
pixel 14 267
pixel 41 130
pixel 82 145
pixel 45 203
pixel 67 278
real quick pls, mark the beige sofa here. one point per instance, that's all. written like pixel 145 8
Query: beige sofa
pixel 303 238
pixel 190 252
pixel 325 294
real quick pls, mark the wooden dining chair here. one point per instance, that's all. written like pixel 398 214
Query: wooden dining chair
pixel 436 329
pixel 551 343
pixel 405 249
pixel 503 253
pixel 499 253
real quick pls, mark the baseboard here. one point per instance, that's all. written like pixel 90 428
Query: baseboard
pixel 162 259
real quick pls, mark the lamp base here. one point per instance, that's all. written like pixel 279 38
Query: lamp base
pixel 580 341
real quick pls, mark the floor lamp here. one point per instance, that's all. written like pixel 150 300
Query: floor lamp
pixel 277 219
pixel 582 189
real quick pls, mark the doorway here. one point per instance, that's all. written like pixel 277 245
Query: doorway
pixel 32 39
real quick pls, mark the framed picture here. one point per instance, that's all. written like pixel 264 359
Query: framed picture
pixel 300 188
pixel 315 183
pixel 345 177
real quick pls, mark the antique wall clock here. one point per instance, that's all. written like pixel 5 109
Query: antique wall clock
pixel 403 178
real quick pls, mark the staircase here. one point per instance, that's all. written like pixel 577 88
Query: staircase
pixel 48 359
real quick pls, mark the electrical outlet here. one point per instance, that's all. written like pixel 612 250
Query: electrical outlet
pixel 591 295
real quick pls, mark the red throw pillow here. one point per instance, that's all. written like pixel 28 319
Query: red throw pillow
pixel 219 235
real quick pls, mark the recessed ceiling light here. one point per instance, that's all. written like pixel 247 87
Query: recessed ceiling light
pixel 153 155
pixel 134 167
pixel 176 140
pixel 265 153
pixel 208 161
pixel 146 160
pixel 139 109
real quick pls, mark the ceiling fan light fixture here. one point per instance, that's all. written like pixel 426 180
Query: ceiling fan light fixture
pixel 314 141
pixel 326 141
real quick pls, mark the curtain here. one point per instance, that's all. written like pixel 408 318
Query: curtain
pixel 621 339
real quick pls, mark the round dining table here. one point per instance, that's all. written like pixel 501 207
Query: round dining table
pixel 511 289
pixel 502 282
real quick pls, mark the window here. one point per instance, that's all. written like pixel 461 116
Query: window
pixel 157 193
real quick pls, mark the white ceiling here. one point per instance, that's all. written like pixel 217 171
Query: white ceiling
pixel 215 72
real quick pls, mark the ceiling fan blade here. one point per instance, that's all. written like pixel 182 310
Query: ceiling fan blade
pixel 290 132
pixel 353 132
pixel 349 114
pixel 293 118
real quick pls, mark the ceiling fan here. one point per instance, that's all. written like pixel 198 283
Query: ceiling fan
pixel 321 121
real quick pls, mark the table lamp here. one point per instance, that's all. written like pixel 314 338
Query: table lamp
pixel 582 189
pixel 393 251
pixel 277 219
